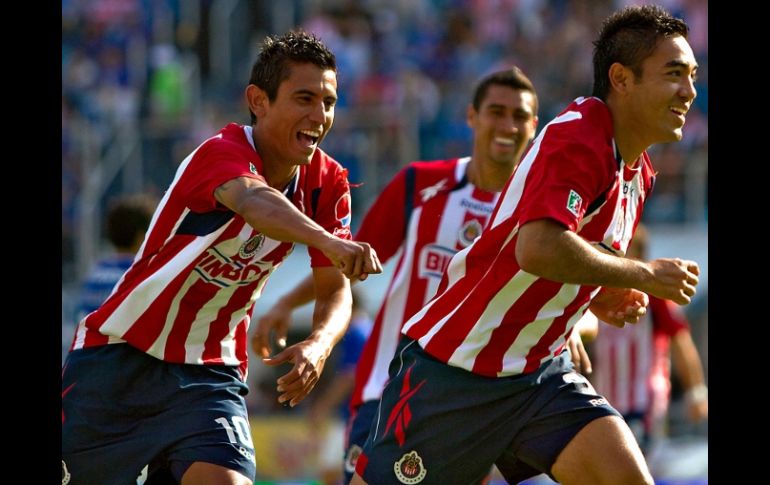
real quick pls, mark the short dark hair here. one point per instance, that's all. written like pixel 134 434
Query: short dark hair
pixel 513 78
pixel 629 36
pixel 128 217
pixel 273 65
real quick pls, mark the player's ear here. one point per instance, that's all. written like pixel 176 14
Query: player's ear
pixel 470 115
pixel 257 100
pixel 620 77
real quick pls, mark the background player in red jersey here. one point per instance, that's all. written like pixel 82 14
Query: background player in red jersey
pixel 481 375
pixel 156 374
pixel 632 364
pixel 433 209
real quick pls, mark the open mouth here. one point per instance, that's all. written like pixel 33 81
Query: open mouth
pixel 510 142
pixel 308 138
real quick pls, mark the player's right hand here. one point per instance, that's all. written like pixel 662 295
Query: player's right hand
pixel 277 319
pixel 673 279
pixel 356 260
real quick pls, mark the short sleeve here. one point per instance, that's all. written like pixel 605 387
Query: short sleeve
pixel 334 211
pixel 564 179
pixel 214 164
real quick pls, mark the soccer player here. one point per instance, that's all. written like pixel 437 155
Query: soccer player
pixel 433 209
pixel 632 364
pixel 481 375
pixel 156 375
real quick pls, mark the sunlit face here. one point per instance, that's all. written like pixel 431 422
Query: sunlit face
pixel 660 98
pixel 503 125
pixel 291 127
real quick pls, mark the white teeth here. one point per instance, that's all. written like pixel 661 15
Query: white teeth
pixel 505 141
pixel 679 111
pixel 312 133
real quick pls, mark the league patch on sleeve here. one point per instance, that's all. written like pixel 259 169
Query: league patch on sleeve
pixel 574 203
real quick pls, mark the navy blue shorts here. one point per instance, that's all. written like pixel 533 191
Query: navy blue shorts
pixel 358 430
pixel 440 424
pixel 126 414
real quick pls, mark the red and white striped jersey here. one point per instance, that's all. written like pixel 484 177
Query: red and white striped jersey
pixel 188 296
pixel 432 211
pixel 494 319
pixel 631 364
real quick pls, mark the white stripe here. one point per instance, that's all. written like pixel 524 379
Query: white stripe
pixel 465 355
pixel 393 315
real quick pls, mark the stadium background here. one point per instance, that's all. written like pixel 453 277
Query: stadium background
pixel 145 81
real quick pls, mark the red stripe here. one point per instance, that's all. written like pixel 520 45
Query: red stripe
pixel 196 297
pixel 220 327
pixel 144 268
pixel 556 330
pixel 241 346
pixel 523 311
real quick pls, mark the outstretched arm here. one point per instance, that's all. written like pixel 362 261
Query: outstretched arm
pixel 268 211
pixel 330 319
pixel 548 249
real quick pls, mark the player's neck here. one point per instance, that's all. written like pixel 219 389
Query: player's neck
pixel 489 176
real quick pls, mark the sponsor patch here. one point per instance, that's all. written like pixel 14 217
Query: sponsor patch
pixel 351 458
pixel 250 247
pixel 252 168
pixel 410 469
pixel 342 209
pixel 582 383
pixel 574 202
pixel 433 260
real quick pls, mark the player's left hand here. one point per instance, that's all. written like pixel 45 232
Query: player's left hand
pixel 618 306
pixel 577 350
pixel 309 358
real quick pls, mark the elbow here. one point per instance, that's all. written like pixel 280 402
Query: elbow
pixel 529 257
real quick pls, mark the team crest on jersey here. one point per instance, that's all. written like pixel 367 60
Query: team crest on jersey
pixel 252 168
pixel 342 209
pixel 250 247
pixel 469 232
pixel 351 458
pixel 410 469
pixel 574 202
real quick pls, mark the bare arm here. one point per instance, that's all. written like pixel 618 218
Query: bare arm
pixel 268 211
pixel 547 249
pixel 687 365
pixel 330 319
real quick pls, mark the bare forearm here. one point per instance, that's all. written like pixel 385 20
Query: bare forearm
pixel 549 250
pixel 333 306
pixel 269 212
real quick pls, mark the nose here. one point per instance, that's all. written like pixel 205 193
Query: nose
pixel 688 91
pixel 318 113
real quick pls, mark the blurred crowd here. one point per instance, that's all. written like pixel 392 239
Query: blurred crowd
pixel 156 77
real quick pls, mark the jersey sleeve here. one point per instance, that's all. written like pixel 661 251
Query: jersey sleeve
pixel 564 179
pixel 214 164
pixel 667 317
pixel 384 225
pixel 334 211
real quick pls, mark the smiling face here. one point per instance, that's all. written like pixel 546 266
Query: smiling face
pixel 657 101
pixel 503 124
pixel 289 128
